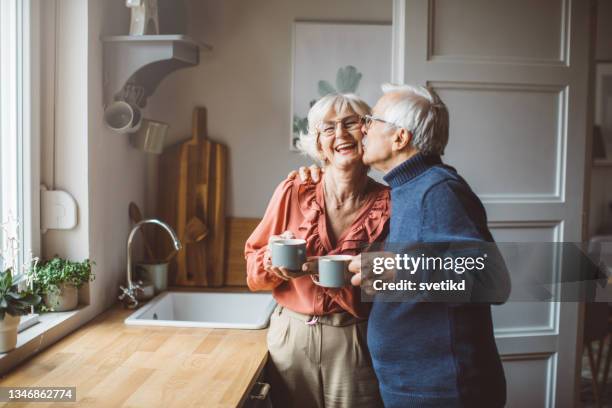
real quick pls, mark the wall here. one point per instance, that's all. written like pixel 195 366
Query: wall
pixel 97 167
pixel 116 170
pixel 64 141
pixel 245 83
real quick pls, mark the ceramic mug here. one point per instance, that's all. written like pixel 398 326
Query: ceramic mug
pixel 151 136
pixel 333 270
pixel 288 253
pixel 122 117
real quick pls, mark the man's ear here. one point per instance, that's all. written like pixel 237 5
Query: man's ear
pixel 402 139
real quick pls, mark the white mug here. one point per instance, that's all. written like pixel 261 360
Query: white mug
pixel 121 117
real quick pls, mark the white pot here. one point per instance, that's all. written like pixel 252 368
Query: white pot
pixel 66 299
pixel 8 332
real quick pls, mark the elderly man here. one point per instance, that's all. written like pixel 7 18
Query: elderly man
pixel 427 354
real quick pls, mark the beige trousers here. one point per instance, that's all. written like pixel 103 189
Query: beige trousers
pixel 326 364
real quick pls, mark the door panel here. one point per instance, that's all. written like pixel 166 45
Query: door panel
pixel 516 116
pixel 514 35
pixel 514 77
pixel 532 372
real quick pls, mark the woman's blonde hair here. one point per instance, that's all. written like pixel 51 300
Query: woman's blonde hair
pixel 336 102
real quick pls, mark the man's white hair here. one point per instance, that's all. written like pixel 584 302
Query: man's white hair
pixel 336 102
pixel 421 111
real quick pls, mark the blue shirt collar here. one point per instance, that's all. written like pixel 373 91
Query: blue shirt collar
pixel 411 168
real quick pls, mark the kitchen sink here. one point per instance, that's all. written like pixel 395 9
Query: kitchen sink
pixel 206 309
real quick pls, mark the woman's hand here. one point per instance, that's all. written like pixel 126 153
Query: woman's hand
pixel 283 273
pixel 310 174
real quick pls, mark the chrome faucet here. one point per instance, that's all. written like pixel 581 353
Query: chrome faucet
pixel 129 295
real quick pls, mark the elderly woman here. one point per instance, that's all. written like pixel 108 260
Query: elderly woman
pixel 317 335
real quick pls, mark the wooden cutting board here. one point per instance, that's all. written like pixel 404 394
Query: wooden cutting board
pixel 238 231
pixel 192 183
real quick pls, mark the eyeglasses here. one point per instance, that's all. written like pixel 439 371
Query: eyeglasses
pixel 350 124
pixel 369 119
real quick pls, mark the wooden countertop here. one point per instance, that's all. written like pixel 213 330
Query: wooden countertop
pixel 112 364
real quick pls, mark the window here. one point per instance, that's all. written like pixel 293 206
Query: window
pixel 19 174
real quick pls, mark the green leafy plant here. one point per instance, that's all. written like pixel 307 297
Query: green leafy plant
pixel 48 276
pixel 11 301
pixel 300 125
pixel 347 81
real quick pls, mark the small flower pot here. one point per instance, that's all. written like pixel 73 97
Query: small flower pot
pixel 8 332
pixel 63 300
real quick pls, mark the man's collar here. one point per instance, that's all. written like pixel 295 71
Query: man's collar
pixel 410 169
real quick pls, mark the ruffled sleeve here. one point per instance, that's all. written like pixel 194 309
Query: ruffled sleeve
pixel 274 222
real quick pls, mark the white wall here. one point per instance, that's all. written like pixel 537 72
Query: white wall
pixel 97 167
pixel 245 85
pixel 65 165
pixel 116 170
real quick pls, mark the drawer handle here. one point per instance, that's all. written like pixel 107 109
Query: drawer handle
pixel 264 389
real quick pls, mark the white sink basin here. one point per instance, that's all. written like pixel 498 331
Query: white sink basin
pixel 206 309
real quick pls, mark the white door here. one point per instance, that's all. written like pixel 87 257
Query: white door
pixel 514 77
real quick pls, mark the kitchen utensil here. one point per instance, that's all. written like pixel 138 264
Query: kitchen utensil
pixel 216 216
pixel 155 273
pixel 192 184
pixel 195 231
pixel 148 291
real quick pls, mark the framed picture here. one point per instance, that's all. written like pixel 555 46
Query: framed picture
pixel 603 105
pixel 336 57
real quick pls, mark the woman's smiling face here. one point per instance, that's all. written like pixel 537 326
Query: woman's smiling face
pixel 340 139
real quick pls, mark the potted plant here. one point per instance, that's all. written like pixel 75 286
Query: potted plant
pixel 59 280
pixel 13 305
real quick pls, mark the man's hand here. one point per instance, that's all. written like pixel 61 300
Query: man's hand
pixel 311 267
pixel 310 174
pixel 367 281
pixel 355 267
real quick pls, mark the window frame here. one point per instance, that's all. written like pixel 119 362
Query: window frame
pixel 20 122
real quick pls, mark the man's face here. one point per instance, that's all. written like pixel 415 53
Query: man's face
pixel 378 138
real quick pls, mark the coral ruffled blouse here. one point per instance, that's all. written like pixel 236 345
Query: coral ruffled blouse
pixel 300 208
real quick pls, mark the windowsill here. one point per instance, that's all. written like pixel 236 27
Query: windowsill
pixel 49 329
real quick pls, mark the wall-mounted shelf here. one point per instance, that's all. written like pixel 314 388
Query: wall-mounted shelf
pixel 143 61
pixel 602 163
